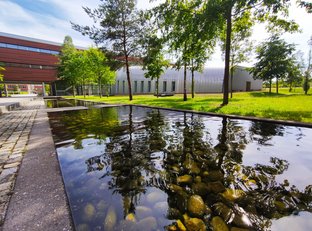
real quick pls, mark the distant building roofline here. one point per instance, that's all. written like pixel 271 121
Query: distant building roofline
pixel 4 34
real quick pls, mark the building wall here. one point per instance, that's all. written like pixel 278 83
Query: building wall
pixel 209 81
pixel 28 60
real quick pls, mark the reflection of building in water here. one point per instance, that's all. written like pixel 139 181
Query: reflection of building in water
pixel 209 81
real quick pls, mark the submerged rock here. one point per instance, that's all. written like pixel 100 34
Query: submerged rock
pixel 156 196
pixel 111 219
pixel 215 176
pixel 224 211
pixel 131 217
pixel 216 187
pixel 143 212
pixel 218 224
pixel 186 179
pixel 196 206
pixel 147 224
pixel 102 205
pixel 173 214
pixel 195 224
pixel 180 225
pixel 89 212
pixel 161 207
pixel 233 194
pixel 198 179
pixel 83 227
pixel 200 188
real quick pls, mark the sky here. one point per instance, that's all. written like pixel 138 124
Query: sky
pixel 50 20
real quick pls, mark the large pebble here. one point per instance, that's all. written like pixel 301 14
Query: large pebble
pixel 196 206
pixel 111 219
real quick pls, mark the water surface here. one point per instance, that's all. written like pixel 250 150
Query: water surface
pixel 134 168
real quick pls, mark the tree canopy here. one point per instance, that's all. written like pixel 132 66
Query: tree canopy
pixel 119 26
pixel 275 58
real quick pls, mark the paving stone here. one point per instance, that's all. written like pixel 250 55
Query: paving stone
pixel 5 186
pixel 16 155
pixel 12 165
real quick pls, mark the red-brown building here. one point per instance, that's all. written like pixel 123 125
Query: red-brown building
pixel 28 60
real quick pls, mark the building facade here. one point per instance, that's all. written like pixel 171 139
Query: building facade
pixel 171 82
pixel 28 60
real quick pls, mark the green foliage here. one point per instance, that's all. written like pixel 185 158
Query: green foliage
pixel 185 35
pixel 1 75
pixel 154 62
pixel 97 69
pixel 275 59
pixel 121 28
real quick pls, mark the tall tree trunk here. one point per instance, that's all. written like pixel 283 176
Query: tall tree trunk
pixel 193 85
pixel 276 85
pixel 73 86
pixel 157 87
pixel 270 86
pixel 184 84
pixel 227 56
pixel 128 78
pixel 193 82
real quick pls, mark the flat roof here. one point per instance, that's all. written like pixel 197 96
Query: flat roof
pixel 34 40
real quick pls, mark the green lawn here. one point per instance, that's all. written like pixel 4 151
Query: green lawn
pixel 283 106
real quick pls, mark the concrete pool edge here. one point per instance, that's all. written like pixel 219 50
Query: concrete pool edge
pixel 39 201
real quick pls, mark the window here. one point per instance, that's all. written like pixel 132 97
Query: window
pixel 123 86
pixel 164 86
pixel 135 86
pixel 142 86
pixel 149 86
pixel 173 86
pixel 118 86
pixel 25 48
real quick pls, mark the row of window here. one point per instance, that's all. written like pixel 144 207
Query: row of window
pixel 32 66
pixel 26 48
pixel 149 86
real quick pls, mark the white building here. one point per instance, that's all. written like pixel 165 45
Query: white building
pixel 209 81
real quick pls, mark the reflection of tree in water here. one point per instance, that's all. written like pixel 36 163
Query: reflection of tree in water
pixel 79 125
pixel 263 132
pixel 129 155
pixel 190 164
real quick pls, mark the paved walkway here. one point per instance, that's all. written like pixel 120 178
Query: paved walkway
pixel 32 195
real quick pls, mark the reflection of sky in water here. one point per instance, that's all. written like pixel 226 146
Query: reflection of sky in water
pixel 302 221
pixel 287 147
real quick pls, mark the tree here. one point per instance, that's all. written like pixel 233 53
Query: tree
pixel 154 62
pixel 65 71
pixel 293 76
pixel 241 46
pixel 229 10
pixel 97 68
pixel 274 59
pixel 121 26
pixel 186 36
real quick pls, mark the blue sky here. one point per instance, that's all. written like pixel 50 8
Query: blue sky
pixel 50 20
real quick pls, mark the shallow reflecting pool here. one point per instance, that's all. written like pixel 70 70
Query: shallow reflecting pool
pixel 61 102
pixel 134 168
